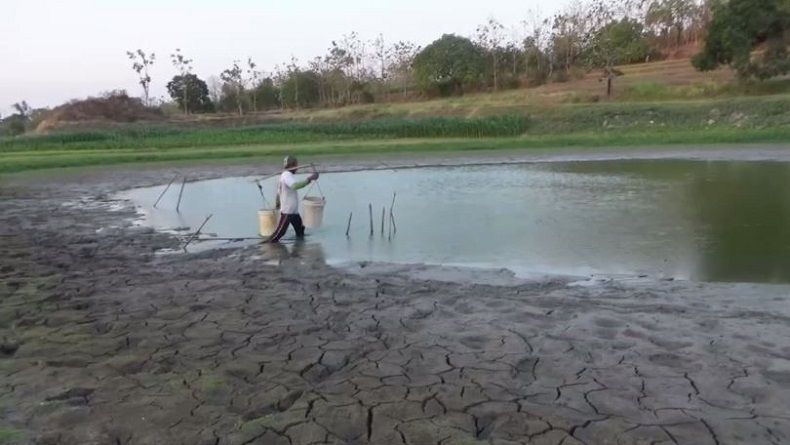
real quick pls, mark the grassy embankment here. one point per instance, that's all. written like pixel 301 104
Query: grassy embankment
pixel 646 112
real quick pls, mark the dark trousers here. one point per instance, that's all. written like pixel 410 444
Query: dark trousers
pixel 282 226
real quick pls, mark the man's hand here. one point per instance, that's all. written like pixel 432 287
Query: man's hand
pixel 313 177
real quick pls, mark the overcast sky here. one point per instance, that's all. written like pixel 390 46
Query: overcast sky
pixel 56 50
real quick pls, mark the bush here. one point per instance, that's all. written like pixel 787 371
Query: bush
pixel 12 125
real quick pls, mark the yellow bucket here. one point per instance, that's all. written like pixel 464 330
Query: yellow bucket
pixel 267 221
pixel 313 211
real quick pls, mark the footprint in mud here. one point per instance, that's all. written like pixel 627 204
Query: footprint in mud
pixel 608 323
pixel 495 303
pixel 474 341
pixel 780 377
pixel 464 308
pixel 606 334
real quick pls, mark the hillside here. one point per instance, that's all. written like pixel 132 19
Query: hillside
pixel 655 81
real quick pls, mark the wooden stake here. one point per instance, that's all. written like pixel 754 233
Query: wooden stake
pixel 195 235
pixel 394 227
pixel 165 190
pixel 181 192
pixel 370 211
pixel 348 227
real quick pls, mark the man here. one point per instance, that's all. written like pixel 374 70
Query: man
pixel 287 200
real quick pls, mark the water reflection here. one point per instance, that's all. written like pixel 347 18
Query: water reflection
pixel 738 213
pixel 299 250
pixel 744 211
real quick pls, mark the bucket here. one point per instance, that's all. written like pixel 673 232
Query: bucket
pixel 267 221
pixel 313 211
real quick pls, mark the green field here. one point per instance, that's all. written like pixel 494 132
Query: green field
pixel 701 121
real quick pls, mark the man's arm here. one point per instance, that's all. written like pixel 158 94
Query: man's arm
pixel 305 183
pixel 301 184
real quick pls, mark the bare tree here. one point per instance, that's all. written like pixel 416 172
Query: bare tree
pixel 403 53
pixel 214 89
pixel 184 67
pixel 23 109
pixel 490 36
pixel 253 77
pixel 141 62
pixel 233 77
pixel 382 54
pixel 293 72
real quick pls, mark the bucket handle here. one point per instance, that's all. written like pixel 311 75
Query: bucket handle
pixel 260 189
pixel 315 183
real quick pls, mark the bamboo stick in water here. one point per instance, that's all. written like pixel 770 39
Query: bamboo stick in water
pixel 180 193
pixel 165 190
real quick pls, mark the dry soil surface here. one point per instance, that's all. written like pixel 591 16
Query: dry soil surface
pixel 102 341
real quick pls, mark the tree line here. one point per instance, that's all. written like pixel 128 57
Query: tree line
pixel 752 36
pixel 596 34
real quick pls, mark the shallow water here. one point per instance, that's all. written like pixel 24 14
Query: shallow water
pixel 707 221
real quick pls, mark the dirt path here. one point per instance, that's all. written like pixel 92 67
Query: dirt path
pixel 103 342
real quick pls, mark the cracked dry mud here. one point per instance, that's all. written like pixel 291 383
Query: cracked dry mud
pixel 103 342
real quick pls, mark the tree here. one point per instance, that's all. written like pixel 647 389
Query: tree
pixel 489 36
pixel 619 42
pixel 215 89
pixel 23 109
pixel 184 67
pixel 253 77
pixel 234 80
pixel 191 93
pixel 383 54
pixel 536 63
pixel 449 65
pixel 300 89
pixel 740 27
pixel 671 17
pixel 401 63
pixel 141 62
pixel 18 122
pixel 267 95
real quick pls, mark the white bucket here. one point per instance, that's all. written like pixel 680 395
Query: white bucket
pixel 313 211
pixel 267 221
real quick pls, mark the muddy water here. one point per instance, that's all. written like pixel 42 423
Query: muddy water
pixel 707 221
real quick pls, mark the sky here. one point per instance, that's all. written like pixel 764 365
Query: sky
pixel 56 50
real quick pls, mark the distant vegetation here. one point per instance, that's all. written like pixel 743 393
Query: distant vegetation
pixel 600 73
pixel 593 36
pixel 168 136
pixel 731 120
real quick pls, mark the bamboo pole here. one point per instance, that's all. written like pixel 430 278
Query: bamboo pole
pixel 197 233
pixel 392 228
pixel 370 211
pixel 180 193
pixel 165 190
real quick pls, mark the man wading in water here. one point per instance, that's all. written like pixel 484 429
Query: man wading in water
pixel 287 200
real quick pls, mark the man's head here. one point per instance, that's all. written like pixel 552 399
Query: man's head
pixel 290 163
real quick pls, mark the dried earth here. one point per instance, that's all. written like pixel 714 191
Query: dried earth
pixel 102 341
